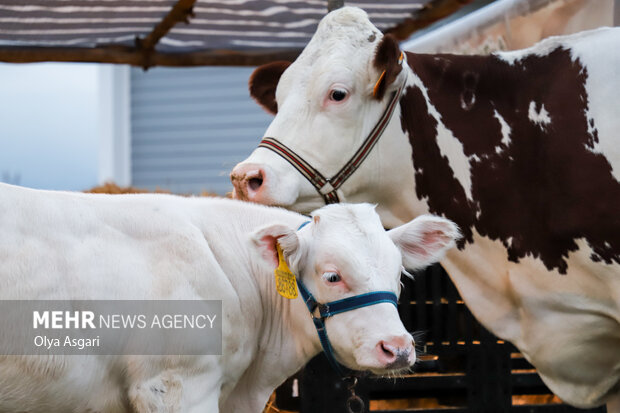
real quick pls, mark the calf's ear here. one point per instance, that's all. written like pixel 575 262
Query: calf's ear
pixel 424 240
pixel 265 239
pixel 263 83
pixel 387 62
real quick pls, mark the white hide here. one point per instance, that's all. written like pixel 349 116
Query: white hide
pixel 600 94
pixel 60 245
pixel 505 130
pixel 566 325
pixel 538 116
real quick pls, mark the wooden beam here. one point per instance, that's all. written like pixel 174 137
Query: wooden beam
pixel 134 57
pixel 334 4
pixel 180 12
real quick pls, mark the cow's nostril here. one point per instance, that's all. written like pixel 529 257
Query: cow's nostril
pixel 395 353
pixel 255 183
pixel 387 351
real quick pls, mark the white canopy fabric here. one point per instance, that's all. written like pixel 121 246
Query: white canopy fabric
pixel 185 32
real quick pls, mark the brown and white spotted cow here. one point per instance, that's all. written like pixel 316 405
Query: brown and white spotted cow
pixel 520 149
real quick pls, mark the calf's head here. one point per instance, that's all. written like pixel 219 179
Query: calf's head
pixel 326 103
pixel 344 252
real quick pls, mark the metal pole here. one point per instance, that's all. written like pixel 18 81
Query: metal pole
pixel 334 4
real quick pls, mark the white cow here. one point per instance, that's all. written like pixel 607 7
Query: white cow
pixel 519 149
pixel 60 245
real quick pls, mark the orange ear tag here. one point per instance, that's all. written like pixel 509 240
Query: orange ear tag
pixel 286 284
pixel 376 88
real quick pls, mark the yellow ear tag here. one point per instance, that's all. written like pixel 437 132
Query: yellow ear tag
pixel 286 283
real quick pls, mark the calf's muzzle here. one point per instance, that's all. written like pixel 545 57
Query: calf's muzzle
pixel 396 352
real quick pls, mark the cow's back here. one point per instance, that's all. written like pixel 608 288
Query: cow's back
pixel 99 246
pixel 595 51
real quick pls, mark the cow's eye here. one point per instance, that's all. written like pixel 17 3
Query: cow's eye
pixel 331 277
pixel 337 95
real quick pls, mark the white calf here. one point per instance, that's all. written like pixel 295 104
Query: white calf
pixel 57 245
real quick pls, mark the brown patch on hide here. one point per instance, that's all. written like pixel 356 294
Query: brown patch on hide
pixel 263 83
pixel 386 59
pixel 431 168
pixel 538 193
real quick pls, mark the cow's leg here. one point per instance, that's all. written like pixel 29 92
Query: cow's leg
pixel 161 393
pixel 613 404
pixel 249 395
pixel 165 394
pixel 210 403
pixel 251 403
pixel 485 285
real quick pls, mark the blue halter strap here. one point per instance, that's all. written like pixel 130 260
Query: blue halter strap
pixel 336 307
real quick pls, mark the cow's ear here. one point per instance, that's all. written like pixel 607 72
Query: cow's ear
pixel 263 83
pixel 387 62
pixel 424 240
pixel 265 240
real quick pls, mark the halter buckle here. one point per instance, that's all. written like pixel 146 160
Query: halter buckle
pixel 326 189
pixel 313 316
pixel 324 310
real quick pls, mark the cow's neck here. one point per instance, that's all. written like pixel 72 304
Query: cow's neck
pixel 287 341
pixel 441 168
pixel 287 325
pixel 276 334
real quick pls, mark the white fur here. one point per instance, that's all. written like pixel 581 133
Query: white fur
pixel 540 116
pixel 602 96
pixel 60 245
pixel 505 129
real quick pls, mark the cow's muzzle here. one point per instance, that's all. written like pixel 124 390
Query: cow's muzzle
pixel 248 180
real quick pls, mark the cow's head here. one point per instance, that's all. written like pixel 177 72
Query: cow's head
pixel 344 251
pixel 326 103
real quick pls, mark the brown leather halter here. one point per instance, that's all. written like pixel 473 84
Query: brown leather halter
pixel 327 187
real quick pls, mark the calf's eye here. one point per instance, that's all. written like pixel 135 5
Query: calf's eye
pixel 332 277
pixel 337 95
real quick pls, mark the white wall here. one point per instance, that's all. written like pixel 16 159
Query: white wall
pixel 114 124
pixel 48 125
